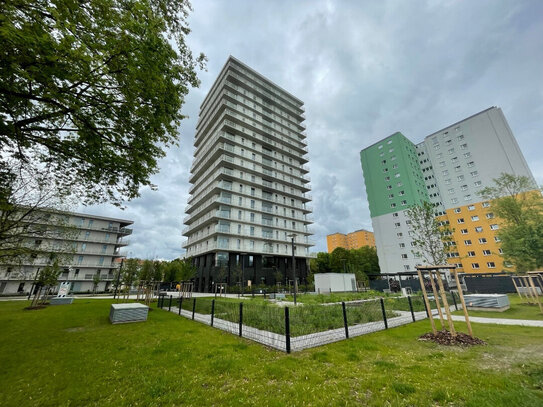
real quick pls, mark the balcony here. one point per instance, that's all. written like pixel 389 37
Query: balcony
pixel 125 231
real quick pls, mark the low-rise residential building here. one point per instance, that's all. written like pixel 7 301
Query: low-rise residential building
pixel 87 247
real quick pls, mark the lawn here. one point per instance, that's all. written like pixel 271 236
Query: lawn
pixel 72 356
pixel 520 309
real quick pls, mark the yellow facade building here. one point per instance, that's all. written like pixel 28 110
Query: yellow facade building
pixel 353 240
pixel 475 230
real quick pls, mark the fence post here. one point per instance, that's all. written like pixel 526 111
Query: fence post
pixel 384 313
pixel 180 304
pixel 193 307
pixel 212 311
pixel 240 318
pixel 345 320
pixel 158 302
pixel 411 307
pixel 170 304
pixel 454 300
pixel 287 329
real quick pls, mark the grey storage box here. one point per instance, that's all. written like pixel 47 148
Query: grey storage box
pixel 123 313
pixel 487 302
pixel 61 300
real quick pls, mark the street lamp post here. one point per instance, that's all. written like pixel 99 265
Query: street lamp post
pixel 292 236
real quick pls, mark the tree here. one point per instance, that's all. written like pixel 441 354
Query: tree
pixel 360 262
pixel 130 274
pixel 321 264
pixel 170 272
pixel 92 90
pixel 432 238
pixel 95 281
pixel 185 270
pixel 338 260
pixel 31 213
pixel 47 277
pixel 518 203
pixel 364 261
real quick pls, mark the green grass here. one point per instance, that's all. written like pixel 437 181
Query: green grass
pixel 72 356
pixel 304 319
pixel 520 309
pixel 335 297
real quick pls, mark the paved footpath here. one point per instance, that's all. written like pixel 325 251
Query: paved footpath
pixel 500 321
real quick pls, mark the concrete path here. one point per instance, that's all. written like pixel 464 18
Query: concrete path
pixel 500 321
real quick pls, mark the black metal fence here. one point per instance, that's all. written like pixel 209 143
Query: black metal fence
pixel 304 326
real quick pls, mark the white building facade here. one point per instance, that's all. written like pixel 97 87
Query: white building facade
pixel 87 248
pixel 250 188
pixel 448 169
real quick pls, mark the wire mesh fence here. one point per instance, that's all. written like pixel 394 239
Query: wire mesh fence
pixel 306 325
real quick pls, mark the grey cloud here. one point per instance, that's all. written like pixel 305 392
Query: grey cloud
pixel 364 70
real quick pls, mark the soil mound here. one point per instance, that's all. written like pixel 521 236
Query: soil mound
pixel 444 337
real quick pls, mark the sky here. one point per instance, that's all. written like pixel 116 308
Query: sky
pixel 364 69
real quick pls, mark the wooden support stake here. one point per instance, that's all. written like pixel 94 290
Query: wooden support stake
pixel 516 288
pixel 535 293
pixel 528 289
pixel 445 303
pixel 436 297
pixel 466 315
pixel 434 330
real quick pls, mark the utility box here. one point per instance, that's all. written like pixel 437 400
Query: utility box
pixel 334 282
pixel 131 312
pixel 487 302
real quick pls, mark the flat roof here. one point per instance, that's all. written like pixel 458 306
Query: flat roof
pixel 273 84
pixel 435 132
pixel 460 121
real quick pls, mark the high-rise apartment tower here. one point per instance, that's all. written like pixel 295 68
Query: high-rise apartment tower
pixel 250 188
pixel 447 169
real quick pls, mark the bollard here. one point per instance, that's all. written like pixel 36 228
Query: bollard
pixel 180 304
pixel 384 313
pixel 454 300
pixel 240 318
pixel 411 307
pixel 287 330
pixel 193 307
pixel 345 320
pixel 212 311
pixel 170 304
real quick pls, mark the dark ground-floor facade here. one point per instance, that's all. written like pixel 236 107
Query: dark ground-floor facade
pixel 247 269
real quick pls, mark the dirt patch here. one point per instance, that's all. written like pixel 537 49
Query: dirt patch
pixel 444 337
pixel 75 329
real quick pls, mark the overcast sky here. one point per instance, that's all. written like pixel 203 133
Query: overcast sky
pixel 365 69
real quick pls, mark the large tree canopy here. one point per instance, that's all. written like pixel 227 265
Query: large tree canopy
pixel 518 203
pixel 361 262
pixel 92 90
